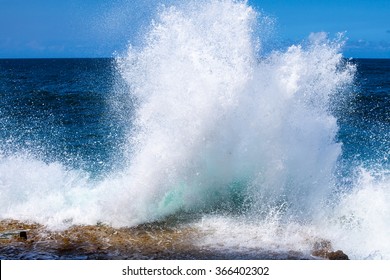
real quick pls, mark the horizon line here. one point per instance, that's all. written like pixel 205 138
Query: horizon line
pixel 113 57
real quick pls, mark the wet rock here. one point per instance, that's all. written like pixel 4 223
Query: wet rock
pixel 23 235
pixel 338 255
pixel 323 249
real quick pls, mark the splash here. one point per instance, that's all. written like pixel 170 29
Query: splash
pixel 359 222
pixel 216 127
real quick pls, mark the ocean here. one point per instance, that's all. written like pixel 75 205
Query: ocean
pixel 197 143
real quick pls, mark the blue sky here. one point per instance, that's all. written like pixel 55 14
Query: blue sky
pixel 98 28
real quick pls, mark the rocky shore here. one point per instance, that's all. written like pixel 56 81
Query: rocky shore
pixel 150 241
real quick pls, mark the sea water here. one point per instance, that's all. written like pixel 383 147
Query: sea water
pixel 256 150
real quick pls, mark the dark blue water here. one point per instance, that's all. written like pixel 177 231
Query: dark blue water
pixel 67 110
pixel 364 119
pixel 60 110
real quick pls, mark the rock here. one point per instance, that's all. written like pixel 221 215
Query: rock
pixel 23 235
pixel 338 255
pixel 323 249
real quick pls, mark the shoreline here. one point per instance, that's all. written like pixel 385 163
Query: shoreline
pixel 153 241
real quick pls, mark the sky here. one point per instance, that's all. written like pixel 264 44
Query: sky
pixel 99 28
